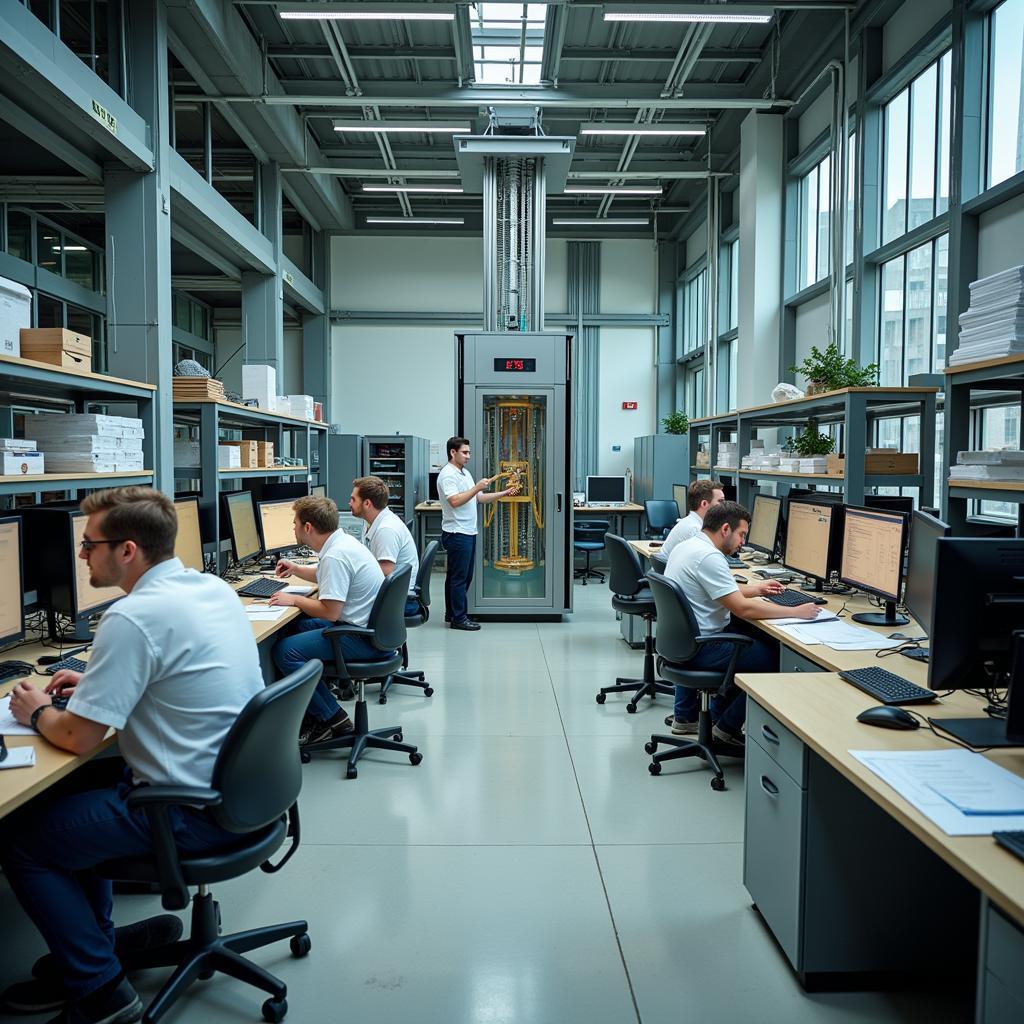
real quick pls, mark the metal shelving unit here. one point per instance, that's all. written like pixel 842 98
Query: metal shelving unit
pixel 711 430
pixel 402 462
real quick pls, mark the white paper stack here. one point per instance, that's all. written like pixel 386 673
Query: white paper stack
pixel 15 444
pixel 997 464
pixel 816 464
pixel 260 382
pixel 88 442
pixel 728 454
pixel 229 456
pixel 993 325
pixel 300 406
pixel 789 464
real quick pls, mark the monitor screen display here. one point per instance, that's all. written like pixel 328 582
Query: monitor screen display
pixel 808 536
pixel 277 519
pixel 873 551
pixel 87 597
pixel 318 491
pixel 922 550
pixel 188 545
pixel 681 494
pixel 245 540
pixel 605 488
pixel 12 597
pixel 764 526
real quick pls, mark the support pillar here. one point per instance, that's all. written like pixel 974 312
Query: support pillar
pixel 262 294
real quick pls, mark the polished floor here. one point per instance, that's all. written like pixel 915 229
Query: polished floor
pixel 529 871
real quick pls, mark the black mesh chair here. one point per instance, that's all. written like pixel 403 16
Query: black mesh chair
pixel 421 591
pixel 662 514
pixel 386 631
pixel 679 640
pixel 588 536
pixel 256 781
pixel 632 596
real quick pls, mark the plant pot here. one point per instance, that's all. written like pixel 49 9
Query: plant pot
pixel 815 388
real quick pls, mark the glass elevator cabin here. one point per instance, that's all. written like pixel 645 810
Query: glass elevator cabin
pixel 513 388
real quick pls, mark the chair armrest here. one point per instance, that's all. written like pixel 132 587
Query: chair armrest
pixel 334 634
pixel 181 796
pixel 738 641
pixel 293 834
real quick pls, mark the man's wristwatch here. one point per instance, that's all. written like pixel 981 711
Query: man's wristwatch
pixel 34 720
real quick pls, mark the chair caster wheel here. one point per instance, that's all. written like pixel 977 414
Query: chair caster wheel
pixel 275 1010
pixel 428 692
pixel 717 784
pixel 301 945
pixel 631 709
pixel 397 737
pixel 382 699
pixel 654 767
pixel 205 976
pixel 305 757
pixel 650 747
pixel 601 697
pixel 352 773
pixel 415 758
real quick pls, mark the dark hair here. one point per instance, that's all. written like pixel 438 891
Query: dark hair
pixel 373 490
pixel 731 512
pixel 702 490
pixel 140 514
pixel 320 513
pixel 454 444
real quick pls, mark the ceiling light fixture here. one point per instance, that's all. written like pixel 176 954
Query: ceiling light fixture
pixel 592 222
pixel 611 190
pixel 434 189
pixel 407 127
pixel 713 14
pixel 611 128
pixel 366 12
pixel 415 220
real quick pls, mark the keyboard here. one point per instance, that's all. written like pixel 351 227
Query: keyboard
pixel 14 670
pixel 263 587
pixel 735 563
pixel 793 598
pixel 887 687
pixel 1012 841
pixel 71 664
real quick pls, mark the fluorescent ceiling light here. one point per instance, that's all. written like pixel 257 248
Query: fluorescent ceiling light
pixel 387 127
pixel 606 128
pixel 415 220
pixel 717 14
pixel 592 222
pixel 611 190
pixel 442 189
pixel 368 12
pixel 71 248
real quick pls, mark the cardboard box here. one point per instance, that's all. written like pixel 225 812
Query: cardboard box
pixel 883 464
pixel 265 454
pixel 300 406
pixel 259 382
pixel 248 453
pixel 22 463
pixel 228 457
pixel 15 316
pixel 57 345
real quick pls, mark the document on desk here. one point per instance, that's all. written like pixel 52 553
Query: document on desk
pixel 962 792
pixel 298 588
pixel 264 612
pixel 9 725
pixel 840 636
pixel 824 615
pixel 19 757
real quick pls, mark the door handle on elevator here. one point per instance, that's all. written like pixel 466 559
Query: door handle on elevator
pixel 558 502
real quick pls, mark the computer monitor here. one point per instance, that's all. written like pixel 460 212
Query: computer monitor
pixel 812 540
pixel 278 492
pixel 188 545
pixel 603 490
pixel 681 495
pixel 890 502
pixel 12 594
pixel 277 525
pixel 873 545
pixel 922 546
pixel 240 519
pixel 764 524
pixel 432 494
pixel 318 491
pixel 87 598
pixel 975 632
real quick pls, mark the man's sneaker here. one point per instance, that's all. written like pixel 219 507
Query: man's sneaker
pixel 467 624
pixel 680 727
pixel 733 740
pixel 121 1006
pixel 37 995
pixel 315 731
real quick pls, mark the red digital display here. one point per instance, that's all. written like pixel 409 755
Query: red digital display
pixel 515 364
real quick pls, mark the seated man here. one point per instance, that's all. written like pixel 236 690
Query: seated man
pixel 172 666
pixel 701 495
pixel 721 605
pixel 348 578
pixel 388 538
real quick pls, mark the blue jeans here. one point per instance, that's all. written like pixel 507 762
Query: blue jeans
pixel 730 709
pixel 304 640
pixel 412 606
pixel 461 550
pixel 48 850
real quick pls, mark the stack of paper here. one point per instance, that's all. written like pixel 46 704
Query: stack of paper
pixel 87 442
pixel 993 326
pixel 1005 464
pixel 840 636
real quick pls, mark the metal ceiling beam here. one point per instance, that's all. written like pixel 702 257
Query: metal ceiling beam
pixel 707 56
pixel 195 245
pixel 50 140
pixel 676 173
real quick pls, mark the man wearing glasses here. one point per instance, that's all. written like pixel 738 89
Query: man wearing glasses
pixel 173 664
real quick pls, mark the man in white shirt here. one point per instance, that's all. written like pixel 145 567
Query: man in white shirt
pixel 172 666
pixel 387 537
pixel 348 578
pixel 721 605
pixel 701 495
pixel 459 499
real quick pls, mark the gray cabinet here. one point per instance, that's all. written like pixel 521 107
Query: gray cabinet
pixel 659 461
pixel 403 463
pixel 345 463
pixel 1001 969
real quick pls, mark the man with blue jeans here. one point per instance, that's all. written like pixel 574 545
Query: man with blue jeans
pixel 721 605
pixel 348 578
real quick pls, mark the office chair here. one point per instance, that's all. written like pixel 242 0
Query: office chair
pixel 658 561
pixel 421 591
pixel 386 631
pixel 678 641
pixel 632 596
pixel 256 781
pixel 662 514
pixel 588 537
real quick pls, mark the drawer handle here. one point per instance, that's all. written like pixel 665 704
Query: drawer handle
pixel 769 735
pixel 768 786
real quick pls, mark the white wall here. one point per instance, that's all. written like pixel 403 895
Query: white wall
pixel 629 277
pixel 697 245
pixel 999 237
pixel 816 118
pixel 906 27
pixel 627 375
pixel 228 336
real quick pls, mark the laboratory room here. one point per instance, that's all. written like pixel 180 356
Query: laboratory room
pixel 510 512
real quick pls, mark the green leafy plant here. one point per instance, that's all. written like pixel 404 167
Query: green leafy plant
pixel 829 371
pixel 676 423
pixel 811 442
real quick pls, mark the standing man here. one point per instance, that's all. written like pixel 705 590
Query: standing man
pixel 702 495
pixel 459 498
pixel 387 537
pixel 348 578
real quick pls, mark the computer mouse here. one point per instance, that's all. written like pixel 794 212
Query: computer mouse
pixel 738 578
pixel 889 718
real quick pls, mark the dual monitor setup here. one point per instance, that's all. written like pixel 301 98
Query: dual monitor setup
pixel 257 528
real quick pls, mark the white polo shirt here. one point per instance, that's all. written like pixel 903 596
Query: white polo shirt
pixel 348 572
pixel 685 528
pixel 452 481
pixel 173 664
pixel 389 540
pixel 703 573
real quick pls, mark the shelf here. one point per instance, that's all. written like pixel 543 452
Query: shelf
pixel 50 380
pixel 242 474
pixel 988 490
pixel 18 484
pixel 837 399
pixel 237 411
pixel 1016 362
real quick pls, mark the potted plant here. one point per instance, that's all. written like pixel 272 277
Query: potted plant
pixel 829 371
pixel 810 443
pixel 676 423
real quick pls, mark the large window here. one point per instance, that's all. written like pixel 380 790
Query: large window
pixel 999 428
pixel 1005 109
pixel 508 42
pixel 815 224
pixel 916 151
pixel 733 317
pixel 695 312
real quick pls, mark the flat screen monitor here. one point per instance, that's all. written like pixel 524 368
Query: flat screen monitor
pixel 764 524
pixel 318 491
pixel 12 593
pixel 890 502
pixel 188 545
pixel 241 525
pixel 812 534
pixel 280 491
pixel 87 598
pixel 922 548
pixel 873 545
pixel 681 494
pixel 277 525
pixel 432 494
pixel 603 490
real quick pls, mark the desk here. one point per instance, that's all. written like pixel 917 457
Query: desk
pixel 833 843
pixel 615 513
pixel 264 633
